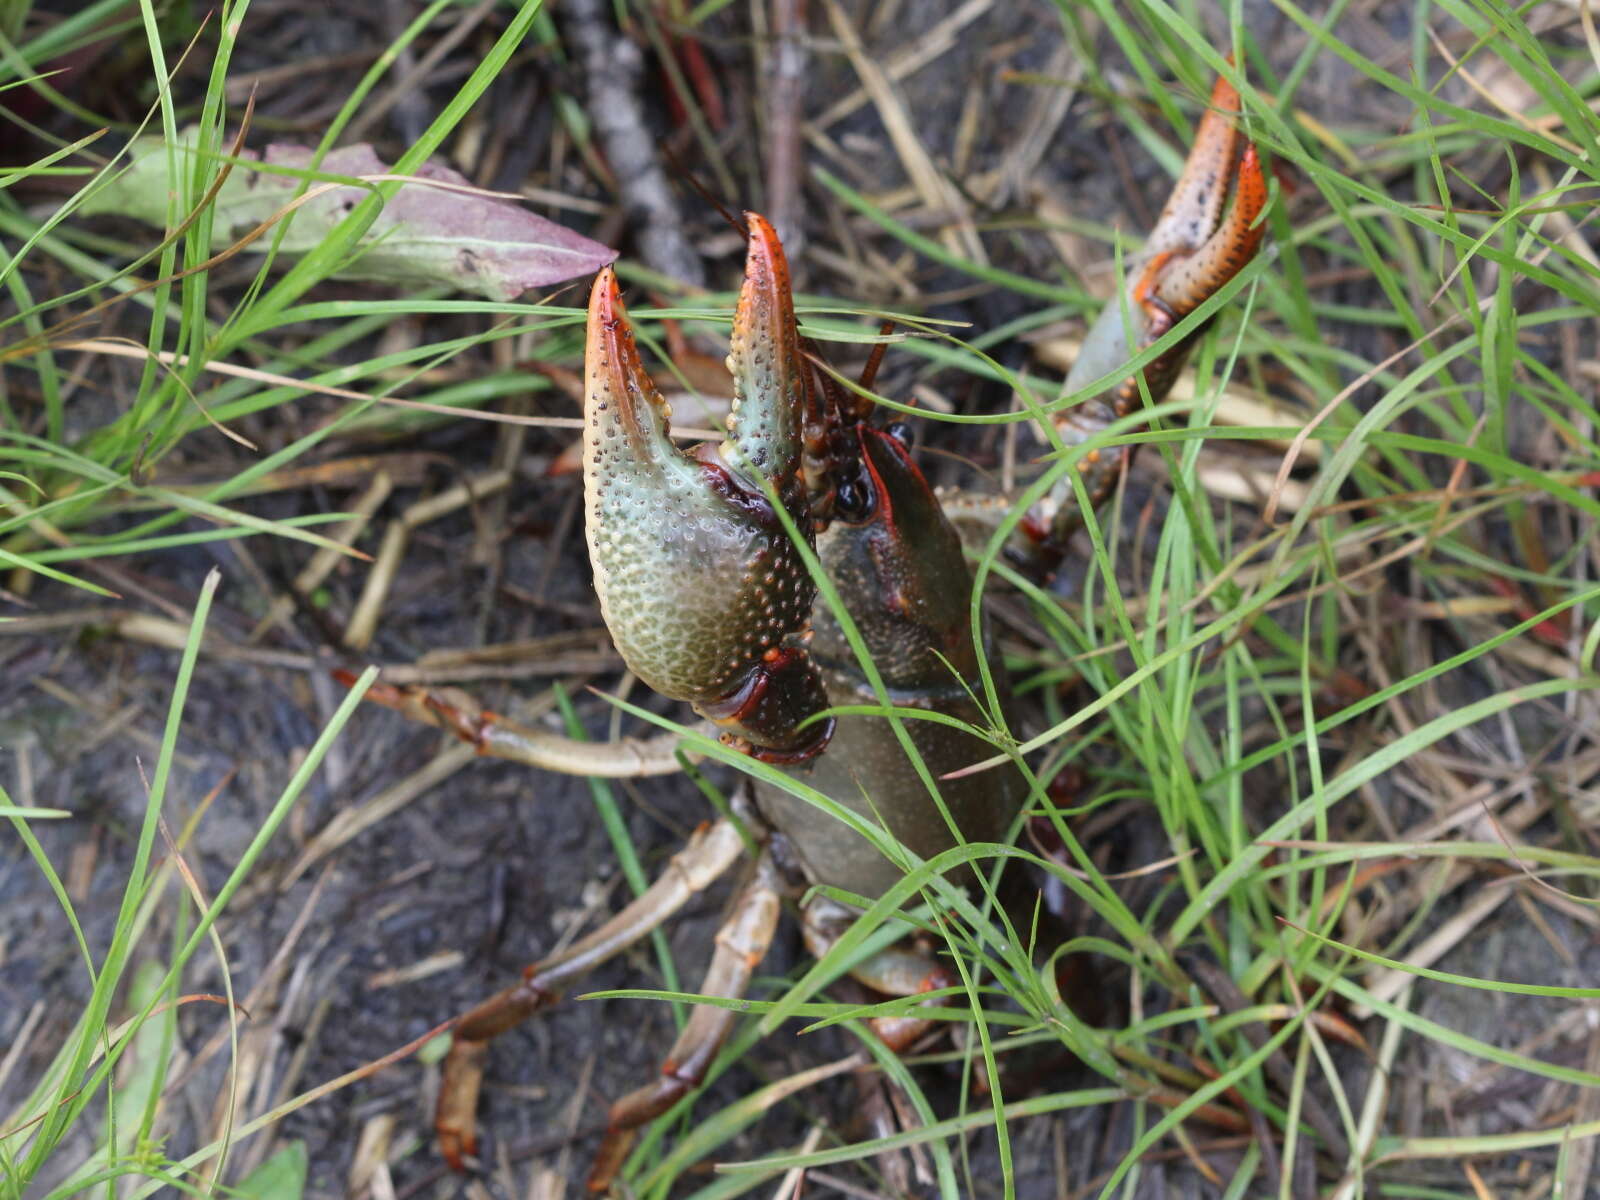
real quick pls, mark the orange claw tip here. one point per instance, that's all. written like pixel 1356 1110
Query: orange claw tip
pixel 766 267
pixel 770 388
pixel 620 400
pixel 608 319
pixel 1196 201
pixel 761 233
pixel 1250 198
pixel 766 272
pixel 455 1149
pixel 763 239
pixel 1251 175
pixel 605 298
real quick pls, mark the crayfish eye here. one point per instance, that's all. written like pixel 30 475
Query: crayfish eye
pixel 900 431
pixel 854 499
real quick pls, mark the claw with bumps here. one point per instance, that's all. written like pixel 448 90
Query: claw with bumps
pixel 1196 247
pixel 705 593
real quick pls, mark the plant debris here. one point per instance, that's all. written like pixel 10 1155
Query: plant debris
pixel 436 229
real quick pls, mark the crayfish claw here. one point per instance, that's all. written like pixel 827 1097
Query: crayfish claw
pixel 1194 206
pixel 704 591
pixel 621 402
pixel 1194 248
pixel 770 379
pixel 1199 243
pixel 1187 281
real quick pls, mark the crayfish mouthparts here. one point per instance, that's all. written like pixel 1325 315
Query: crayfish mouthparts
pixel 705 594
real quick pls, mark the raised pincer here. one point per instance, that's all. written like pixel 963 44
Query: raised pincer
pixel 705 594
pixel 1199 243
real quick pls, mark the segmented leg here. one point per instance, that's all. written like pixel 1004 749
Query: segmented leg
pixel 710 852
pixel 895 971
pixel 884 1112
pixel 742 943
pixel 898 970
pixel 456 712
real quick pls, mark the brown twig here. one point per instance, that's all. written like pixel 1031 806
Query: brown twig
pixel 1227 994
pixel 786 74
pixel 612 64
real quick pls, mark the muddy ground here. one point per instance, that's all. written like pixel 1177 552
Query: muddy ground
pixel 443 900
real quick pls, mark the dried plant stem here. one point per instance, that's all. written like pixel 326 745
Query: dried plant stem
pixel 612 64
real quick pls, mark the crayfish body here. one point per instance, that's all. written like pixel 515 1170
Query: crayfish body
pixel 902 576
pixel 700 563
pixel 707 599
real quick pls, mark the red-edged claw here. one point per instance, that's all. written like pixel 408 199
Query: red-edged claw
pixel 1194 249
pixel 1199 243
pixel 705 594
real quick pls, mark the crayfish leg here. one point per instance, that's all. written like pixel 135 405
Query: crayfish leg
pixel 496 736
pixel 741 944
pixel 896 970
pixel 708 854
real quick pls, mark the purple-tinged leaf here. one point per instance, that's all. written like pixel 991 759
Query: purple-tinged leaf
pixel 435 229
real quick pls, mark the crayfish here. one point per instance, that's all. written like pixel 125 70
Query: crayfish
pixel 704 565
